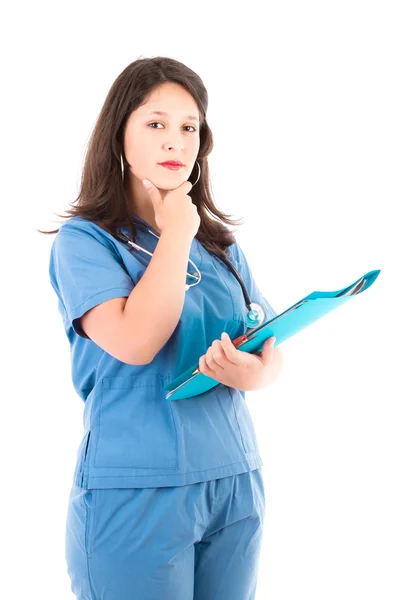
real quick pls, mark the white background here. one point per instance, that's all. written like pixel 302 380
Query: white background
pixel 304 108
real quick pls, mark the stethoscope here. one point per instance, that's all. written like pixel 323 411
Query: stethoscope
pixel 255 315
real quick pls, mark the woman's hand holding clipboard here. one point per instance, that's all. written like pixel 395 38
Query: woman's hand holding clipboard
pixel 283 326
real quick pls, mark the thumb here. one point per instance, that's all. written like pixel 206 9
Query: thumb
pixel 152 190
pixel 267 350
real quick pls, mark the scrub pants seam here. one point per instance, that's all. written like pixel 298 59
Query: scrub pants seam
pixel 92 596
pixel 88 550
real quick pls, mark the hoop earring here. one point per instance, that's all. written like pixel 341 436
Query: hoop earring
pixel 198 175
pixel 122 167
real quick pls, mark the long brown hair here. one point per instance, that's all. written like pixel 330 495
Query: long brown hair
pixel 102 197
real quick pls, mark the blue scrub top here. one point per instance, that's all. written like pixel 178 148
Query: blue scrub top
pixel 134 437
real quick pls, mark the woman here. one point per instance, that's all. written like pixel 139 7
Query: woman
pixel 167 500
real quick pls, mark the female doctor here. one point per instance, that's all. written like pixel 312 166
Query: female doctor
pixel 167 499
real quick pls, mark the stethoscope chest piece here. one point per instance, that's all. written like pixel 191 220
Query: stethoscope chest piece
pixel 255 316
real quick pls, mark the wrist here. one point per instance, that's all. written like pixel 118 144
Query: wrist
pixel 177 236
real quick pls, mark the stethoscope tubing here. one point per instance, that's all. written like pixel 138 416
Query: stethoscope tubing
pixel 249 305
pixel 198 277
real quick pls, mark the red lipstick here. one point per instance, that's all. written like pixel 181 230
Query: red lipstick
pixel 172 164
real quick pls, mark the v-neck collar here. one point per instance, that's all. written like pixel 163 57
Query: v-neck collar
pixel 195 252
pixel 145 223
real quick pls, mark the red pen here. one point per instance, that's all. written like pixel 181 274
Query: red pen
pixel 236 342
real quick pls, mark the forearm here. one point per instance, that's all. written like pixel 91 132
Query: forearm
pixel 159 295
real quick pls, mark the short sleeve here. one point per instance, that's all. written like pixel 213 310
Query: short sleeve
pixel 85 270
pixel 246 273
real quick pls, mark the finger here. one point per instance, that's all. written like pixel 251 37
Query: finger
pixel 187 186
pixel 203 368
pixel 152 191
pixel 202 364
pixel 268 350
pixel 210 358
pixel 234 356
pixel 218 354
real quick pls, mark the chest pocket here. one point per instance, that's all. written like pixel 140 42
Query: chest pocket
pixel 232 286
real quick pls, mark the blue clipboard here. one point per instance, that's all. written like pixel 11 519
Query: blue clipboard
pixel 291 321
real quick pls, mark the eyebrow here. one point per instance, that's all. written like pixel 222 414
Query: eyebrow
pixel 160 112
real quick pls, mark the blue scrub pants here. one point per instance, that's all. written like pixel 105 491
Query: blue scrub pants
pixel 193 542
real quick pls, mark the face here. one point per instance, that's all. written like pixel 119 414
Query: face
pixel 151 139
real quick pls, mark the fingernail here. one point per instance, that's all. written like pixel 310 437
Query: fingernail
pixel 225 336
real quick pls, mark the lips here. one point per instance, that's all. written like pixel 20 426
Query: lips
pixel 172 166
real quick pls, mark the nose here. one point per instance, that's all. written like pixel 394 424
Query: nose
pixel 178 146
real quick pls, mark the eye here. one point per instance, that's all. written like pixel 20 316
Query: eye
pixel 158 123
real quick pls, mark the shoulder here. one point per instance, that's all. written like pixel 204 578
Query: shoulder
pixel 79 224
pixel 79 240
pixel 232 249
pixel 236 252
pixel 83 231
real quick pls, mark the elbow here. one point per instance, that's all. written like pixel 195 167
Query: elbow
pixel 139 358
pixel 136 362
